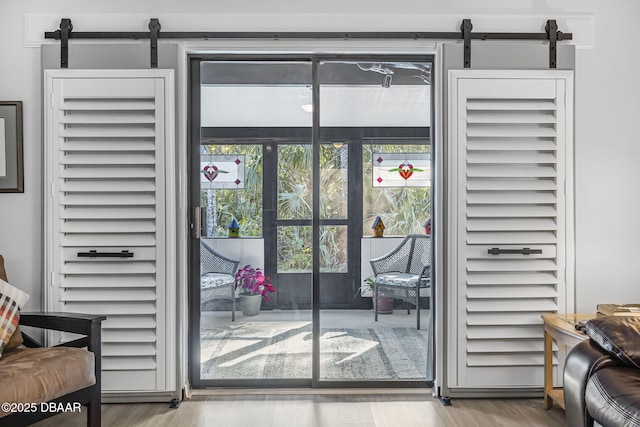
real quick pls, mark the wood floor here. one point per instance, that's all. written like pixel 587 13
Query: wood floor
pixel 320 410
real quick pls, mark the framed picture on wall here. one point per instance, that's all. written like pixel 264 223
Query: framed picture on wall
pixel 11 158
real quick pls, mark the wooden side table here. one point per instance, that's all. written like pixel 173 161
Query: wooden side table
pixel 559 327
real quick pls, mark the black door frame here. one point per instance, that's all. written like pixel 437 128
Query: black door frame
pixel 194 138
pixel 271 222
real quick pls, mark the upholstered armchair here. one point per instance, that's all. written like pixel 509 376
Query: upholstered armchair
pixel 602 375
pixel 39 382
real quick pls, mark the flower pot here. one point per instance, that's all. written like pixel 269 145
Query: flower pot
pixel 250 304
pixel 385 305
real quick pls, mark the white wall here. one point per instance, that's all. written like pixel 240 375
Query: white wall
pixel 607 104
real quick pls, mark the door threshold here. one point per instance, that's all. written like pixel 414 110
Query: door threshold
pixel 307 391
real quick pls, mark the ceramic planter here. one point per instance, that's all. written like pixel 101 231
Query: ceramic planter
pixel 250 304
pixel 385 304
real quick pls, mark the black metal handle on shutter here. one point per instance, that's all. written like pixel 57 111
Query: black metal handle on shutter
pixel 523 251
pixel 96 254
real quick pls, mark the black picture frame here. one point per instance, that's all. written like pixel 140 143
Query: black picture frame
pixel 11 147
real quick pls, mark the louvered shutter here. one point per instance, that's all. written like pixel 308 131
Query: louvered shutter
pixel 107 136
pixel 509 157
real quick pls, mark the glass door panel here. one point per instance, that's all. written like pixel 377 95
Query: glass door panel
pixel 294 234
pixel 380 113
pixel 333 249
pixel 294 181
pixel 255 213
pixel 334 181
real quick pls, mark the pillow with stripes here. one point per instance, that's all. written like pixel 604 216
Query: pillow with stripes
pixel 11 299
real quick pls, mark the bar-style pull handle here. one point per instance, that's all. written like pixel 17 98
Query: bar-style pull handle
pixel 523 251
pixel 95 254
pixel 197 222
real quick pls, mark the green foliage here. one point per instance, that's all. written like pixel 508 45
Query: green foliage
pixel 294 202
pixel 369 283
pixel 294 249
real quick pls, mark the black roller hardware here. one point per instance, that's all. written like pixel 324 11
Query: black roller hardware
pixel 64 34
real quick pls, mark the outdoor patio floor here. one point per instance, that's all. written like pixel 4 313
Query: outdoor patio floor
pixel 277 344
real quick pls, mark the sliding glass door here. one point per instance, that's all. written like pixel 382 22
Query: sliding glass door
pixel 381 110
pixel 293 160
pixel 253 197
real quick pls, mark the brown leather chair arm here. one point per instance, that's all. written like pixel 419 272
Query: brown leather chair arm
pixel 583 360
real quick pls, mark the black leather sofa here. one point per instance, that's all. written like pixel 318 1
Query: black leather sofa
pixel 602 375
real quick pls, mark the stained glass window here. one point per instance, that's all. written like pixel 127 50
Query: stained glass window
pixel 401 169
pixel 222 171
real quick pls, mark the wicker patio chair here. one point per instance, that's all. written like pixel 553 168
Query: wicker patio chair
pixel 216 278
pixel 402 272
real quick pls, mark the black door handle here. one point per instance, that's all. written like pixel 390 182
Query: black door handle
pixel 95 254
pixel 523 251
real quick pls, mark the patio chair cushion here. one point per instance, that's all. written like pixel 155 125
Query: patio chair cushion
pixel 214 280
pixel 398 279
pixel 216 285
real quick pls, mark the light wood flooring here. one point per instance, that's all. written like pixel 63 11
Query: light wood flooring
pixel 323 410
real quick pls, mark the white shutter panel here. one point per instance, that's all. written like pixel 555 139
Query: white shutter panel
pixel 510 139
pixel 107 138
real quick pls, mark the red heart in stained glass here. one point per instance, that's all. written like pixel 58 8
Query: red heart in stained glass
pixel 210 172
pixel 405 170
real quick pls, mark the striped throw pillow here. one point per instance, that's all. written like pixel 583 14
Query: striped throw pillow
pixel 11 299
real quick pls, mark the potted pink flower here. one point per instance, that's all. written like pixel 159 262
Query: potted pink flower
pixel 254 286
